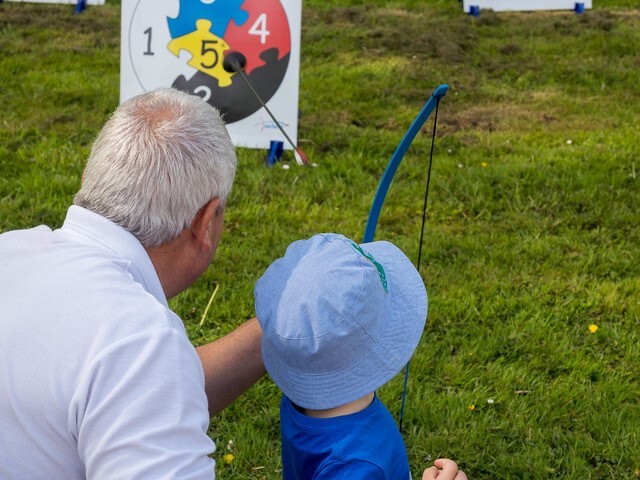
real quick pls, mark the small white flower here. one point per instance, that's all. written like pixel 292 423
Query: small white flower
pixel 460 165
pixel 285 166
pixel 569 142
pixel 490 401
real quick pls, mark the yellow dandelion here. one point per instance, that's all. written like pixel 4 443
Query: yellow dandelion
pixel 228 458
pixel 472 407
pixel 484 164
pixel 593 328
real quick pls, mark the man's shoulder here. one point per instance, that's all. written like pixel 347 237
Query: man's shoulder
pixel 23 238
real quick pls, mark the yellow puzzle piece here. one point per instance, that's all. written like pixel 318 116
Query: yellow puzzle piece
pixel 206 49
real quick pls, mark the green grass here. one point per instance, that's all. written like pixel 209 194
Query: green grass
pixel 533 221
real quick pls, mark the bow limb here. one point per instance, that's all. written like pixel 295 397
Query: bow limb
pixel 398 155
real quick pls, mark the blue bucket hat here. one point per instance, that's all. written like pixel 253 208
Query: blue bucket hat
pixel 339 320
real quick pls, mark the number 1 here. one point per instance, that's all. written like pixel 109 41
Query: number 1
pixel 148 32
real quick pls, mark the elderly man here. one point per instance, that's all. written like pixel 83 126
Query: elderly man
pixel 97 376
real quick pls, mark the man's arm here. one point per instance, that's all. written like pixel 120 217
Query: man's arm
pixel 231 365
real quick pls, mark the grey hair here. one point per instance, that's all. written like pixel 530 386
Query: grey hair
pixel 156 162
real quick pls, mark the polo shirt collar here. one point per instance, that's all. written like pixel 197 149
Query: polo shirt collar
pixel 103 232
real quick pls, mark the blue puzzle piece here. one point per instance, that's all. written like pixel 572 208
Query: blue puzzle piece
pixel 220 12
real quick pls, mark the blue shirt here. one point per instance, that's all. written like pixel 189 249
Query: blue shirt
pixel 363 445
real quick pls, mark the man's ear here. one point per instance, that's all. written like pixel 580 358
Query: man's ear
pixel 203 223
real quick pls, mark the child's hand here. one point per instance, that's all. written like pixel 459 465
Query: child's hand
pixel 444 469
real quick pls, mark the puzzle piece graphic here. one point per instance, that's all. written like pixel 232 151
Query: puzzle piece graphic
pixel 266 27
pixel 237 101
pixel 206 49
pixel 220 11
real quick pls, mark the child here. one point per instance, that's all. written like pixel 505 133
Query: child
pixel 339 320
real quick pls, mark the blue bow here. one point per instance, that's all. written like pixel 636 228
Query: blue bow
pixel 397 157
pixel 385 183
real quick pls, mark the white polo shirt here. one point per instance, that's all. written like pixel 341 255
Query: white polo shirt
pixel 97 376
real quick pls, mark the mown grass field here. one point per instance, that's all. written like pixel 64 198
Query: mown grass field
pixel 532 233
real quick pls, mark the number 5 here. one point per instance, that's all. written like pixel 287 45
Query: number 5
pixel 212 50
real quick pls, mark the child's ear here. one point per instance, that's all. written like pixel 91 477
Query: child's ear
pixel 203 224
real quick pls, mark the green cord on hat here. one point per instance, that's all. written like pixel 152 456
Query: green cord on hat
pixel 380 268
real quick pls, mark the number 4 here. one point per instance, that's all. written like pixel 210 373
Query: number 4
pixel 259 27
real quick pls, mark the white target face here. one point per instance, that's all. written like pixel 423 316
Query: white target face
pixel 183 43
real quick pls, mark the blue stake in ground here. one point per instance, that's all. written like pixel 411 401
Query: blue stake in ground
pixel 81 6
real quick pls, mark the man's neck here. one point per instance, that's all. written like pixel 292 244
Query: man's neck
pixel 346 409
pixel 170 263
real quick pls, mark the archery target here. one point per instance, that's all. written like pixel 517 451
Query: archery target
pixel 523 5
pixel 182 44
